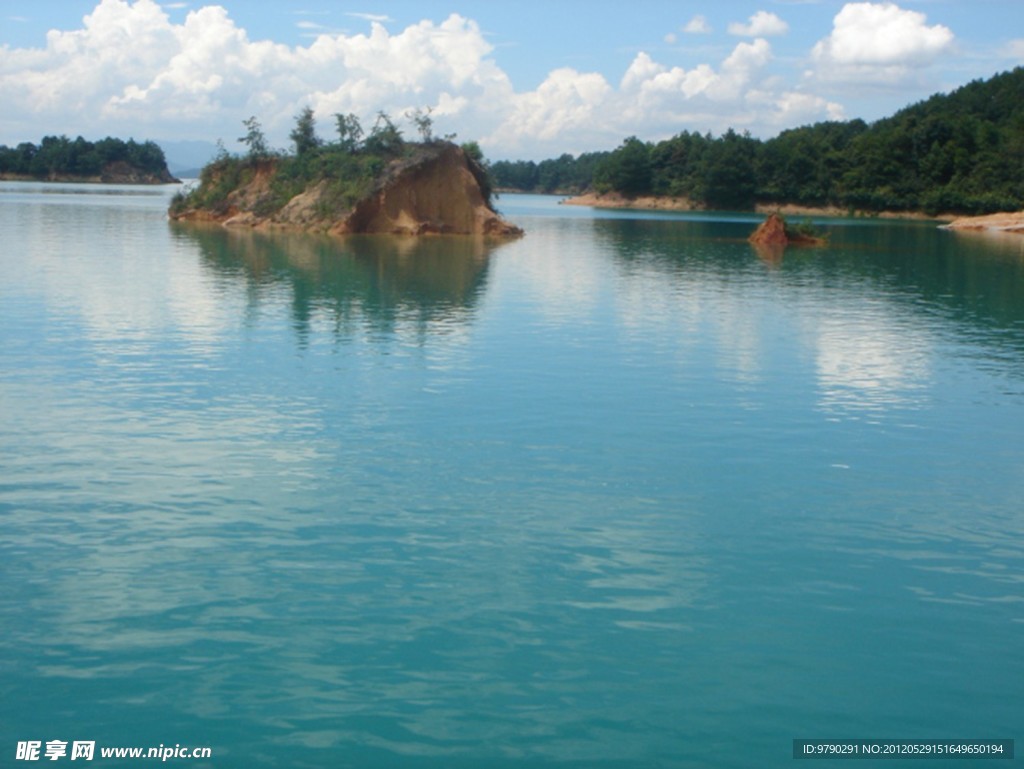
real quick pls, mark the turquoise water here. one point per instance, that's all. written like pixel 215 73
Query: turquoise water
pixel 623 493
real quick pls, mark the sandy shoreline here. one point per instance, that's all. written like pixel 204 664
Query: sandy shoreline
pixel 1007 222
pixel 647 202
pixel 1001 222
pixel 654 203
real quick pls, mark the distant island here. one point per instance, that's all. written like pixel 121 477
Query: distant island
pixel 110 160
pixel 960 153
pixel 377 183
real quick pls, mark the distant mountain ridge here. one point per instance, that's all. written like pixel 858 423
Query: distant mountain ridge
pixel 185 158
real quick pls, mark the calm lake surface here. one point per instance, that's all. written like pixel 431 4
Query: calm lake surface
pixel 623 493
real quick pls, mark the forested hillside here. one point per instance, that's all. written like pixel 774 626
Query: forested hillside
pixel 961 152
pixel 58 157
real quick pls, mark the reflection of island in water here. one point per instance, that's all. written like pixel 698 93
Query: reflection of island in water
pixel 361 281
pixel 977 280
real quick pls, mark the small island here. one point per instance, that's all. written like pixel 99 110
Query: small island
pixel 377 184
pixel 776 232
pixel 108 161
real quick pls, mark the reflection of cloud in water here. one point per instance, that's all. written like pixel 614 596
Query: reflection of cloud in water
pixel 129 293
pixel 740 339
pixel 147 536
pixel 682 312
pixel 556 266
pixel 685 306
pixel 870 363
pixel 677 286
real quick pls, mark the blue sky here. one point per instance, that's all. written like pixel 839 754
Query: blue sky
pixel 527 79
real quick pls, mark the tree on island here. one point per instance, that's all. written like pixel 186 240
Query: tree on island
pixel 385 138
pixel 255 139
pixel 304 134
pixel 349 166
pixel 423 122
pixel 350 131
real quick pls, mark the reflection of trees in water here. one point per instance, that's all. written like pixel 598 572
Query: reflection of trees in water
pixel 372 282
pixel 979 281
pixel 686 249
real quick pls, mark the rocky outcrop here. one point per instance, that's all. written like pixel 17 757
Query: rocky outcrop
pixel 434 189
pixel 437 193
pixel 773 232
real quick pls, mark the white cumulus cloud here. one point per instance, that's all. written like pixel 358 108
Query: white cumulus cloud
pixel 130 71
pixel 698 25
pixel 737 94
pixel 567 103
pixel 879 40
pixel 761 24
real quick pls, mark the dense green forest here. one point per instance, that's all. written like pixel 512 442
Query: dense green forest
pixel 565 174
pixel 59 156
pixel 961 152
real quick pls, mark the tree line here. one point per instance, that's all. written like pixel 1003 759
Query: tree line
pixel 961 152
pixel 61 156
pixel 385 137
